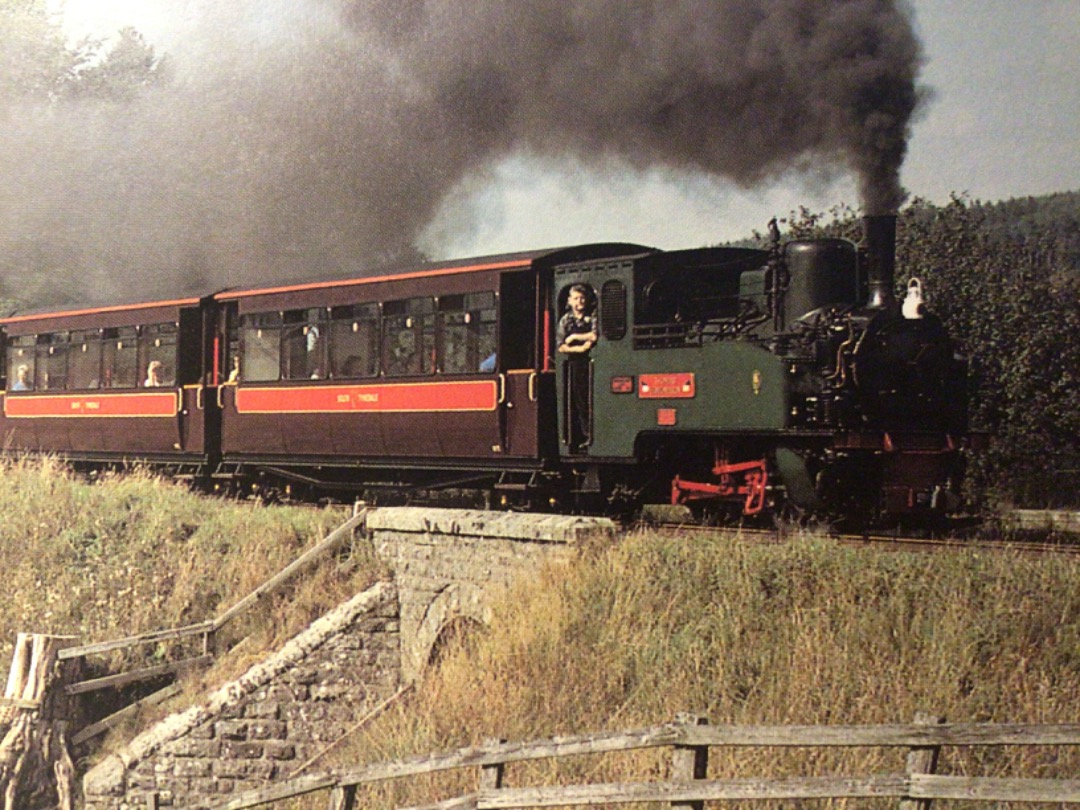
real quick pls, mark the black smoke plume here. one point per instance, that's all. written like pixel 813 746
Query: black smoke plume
pixel 299 139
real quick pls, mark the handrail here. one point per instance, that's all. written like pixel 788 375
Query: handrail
pixel 212 625
pixel 206 629
pixel 152 637
pixel 884 786
pixel 916 784
pixel 327 543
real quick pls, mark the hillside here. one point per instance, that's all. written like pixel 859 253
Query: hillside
pixel 629 635
pixel 1052 220
pixel 133 553
pixel 804 632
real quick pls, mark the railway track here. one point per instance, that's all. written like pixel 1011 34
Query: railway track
pixel 895 542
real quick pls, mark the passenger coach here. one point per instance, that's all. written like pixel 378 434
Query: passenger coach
pixel 78 383
pixel 440 378
pixel 436 378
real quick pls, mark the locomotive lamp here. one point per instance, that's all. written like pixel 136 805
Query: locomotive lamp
pixel 912 308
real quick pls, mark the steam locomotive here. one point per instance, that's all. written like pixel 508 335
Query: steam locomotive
pixel 729 380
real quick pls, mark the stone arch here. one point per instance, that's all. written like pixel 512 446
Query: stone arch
pixel 456 605
pixel 450 635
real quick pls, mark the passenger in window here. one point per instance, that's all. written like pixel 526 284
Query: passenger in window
pixel 577 327
pixel 403 353
pixel 487 365
pixel 576 335
pixel 234 374
pixel 22 379
pixel 154 375
pixel 312 345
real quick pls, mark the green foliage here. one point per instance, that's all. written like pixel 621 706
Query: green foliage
pixel 129 68
pixel 1015 304
pixel 37 62
pixel 1004 278
pixel 41 66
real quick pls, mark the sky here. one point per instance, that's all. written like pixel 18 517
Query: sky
pixel 1000 120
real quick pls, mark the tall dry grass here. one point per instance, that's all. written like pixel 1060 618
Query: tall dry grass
pixel 133 553
pixel 805 632
pixel 627 636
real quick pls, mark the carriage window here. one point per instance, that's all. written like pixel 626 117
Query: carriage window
pixel 303 345
pixel 467 332
pixel 157 355
pixel 354 341
pixel 50 370
pixel 121 358
pixel 21 363
pixel 260 346
pixel 409 336
pixel 84 360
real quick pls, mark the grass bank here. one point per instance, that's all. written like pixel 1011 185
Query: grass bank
pixel 805 632
pixel 133 553
pixel 629 635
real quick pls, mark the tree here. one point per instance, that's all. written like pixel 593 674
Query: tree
pixel 39 65
pixel 1009 293
pixel 128 68
pixel 1016 310
pixel 37 62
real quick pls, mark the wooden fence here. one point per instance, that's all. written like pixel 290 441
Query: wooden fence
pixel 688 785
pixel 204 630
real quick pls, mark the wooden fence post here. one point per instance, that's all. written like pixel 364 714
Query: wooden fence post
pixel 34 756
pixel 689 761
pixel 491 776
pixel 343 797
pixel 922 759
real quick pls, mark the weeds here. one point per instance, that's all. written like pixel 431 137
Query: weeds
pixel 133 553
pixel 805 632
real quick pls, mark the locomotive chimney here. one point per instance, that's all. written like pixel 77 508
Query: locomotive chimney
pixel 879 231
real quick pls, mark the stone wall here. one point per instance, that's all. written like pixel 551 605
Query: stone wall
pixel 269 723
pixel 449 563
pixel 266 724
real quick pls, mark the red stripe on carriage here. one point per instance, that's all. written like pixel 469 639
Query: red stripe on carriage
pixel 67 406
pixel 475 395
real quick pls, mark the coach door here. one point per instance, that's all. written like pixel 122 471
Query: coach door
pixel 526 388
pixel 195 355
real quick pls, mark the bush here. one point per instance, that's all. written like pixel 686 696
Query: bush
pixel 1005 280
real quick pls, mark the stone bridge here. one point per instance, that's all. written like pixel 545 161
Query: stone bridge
pixel 279 718
pixel 449 563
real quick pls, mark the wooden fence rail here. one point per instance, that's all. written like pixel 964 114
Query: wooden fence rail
pixel 206 630
pixel 688 787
